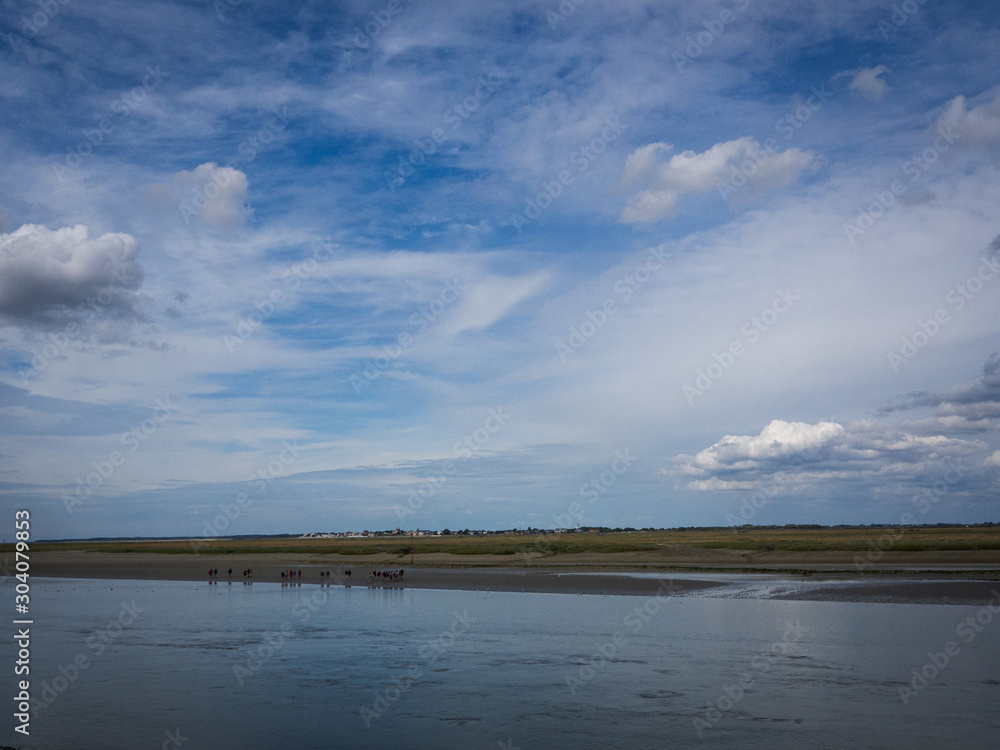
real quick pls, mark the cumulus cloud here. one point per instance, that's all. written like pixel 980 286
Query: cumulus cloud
pixel 979 126
pixel 212 194
pixel 827 451
pixel 866 82
pixel 656 186
pixel 872 453
pixel 778 441
pixel 50 277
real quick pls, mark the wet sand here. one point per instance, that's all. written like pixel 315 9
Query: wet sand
pixel 961 583
pixel 903 592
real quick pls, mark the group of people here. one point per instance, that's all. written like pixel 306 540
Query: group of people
pixel 294 577
pixel 385 576
pixel 213 572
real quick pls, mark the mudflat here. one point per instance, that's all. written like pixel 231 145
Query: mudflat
pixel 948 577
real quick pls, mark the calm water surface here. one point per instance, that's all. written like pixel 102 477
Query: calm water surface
pixel 193 665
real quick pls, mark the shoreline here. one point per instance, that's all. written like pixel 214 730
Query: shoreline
pixel 967 583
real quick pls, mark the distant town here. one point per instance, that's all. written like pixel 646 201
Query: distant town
pixel 463 532
pixel 606 530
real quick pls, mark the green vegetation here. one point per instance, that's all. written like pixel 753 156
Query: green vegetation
pixel 755 538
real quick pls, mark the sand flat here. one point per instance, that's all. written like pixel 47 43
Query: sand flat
pixel 947 578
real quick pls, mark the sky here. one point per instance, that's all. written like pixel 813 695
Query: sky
pixel 283 267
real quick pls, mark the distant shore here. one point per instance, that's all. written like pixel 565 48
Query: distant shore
pixel 909 578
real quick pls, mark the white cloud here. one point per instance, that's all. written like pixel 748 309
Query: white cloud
pixel 979 126
pixel 993 460
pixel 212 194
pixel 822 452
pixel 778 440
pixel 660 185
pixel 966 408
pixel 490 300
pixel 49 276
pixel 866 82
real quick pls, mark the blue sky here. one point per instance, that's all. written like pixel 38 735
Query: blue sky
pixel 282 267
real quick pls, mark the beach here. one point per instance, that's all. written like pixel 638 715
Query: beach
pixel 939 577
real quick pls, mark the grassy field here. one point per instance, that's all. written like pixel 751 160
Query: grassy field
pixel 909 539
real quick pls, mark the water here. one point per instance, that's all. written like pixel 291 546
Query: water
pixel 266 666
